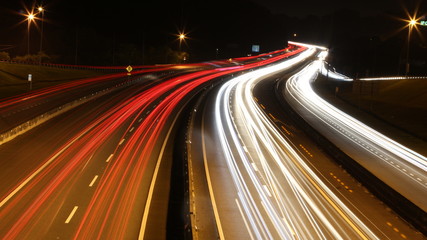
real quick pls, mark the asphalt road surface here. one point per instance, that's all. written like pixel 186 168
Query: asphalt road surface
pixel 267 180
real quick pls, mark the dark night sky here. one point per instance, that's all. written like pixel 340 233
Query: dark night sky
pixel 306 7
pixel 96 30
pixel 131 14
pixel 149 13
pixel 127 15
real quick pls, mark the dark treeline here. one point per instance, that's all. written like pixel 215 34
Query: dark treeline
pixel 362 46
pixel 145 32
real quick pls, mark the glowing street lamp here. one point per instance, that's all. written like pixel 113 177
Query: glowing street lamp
pixel 411 24
pixel 181 37
pixel 30 18
pixel 41 10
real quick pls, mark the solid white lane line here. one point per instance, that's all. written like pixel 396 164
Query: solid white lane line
pixel 154 179
pixel 93 181
pixel 244 219
pixel 71 214
pixel 208 178
pixel 39 170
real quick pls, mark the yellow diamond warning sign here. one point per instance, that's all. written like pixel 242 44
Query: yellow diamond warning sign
pixel 129 69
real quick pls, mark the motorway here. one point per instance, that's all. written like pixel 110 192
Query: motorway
pixel 54 173
pixel 266 181
pixel 93 167
pixel 399 167
pixel 101 169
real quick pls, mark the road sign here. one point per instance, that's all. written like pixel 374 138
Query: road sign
pixel 255 48
pixel 423 23
pixel 30 81
pixel 129 69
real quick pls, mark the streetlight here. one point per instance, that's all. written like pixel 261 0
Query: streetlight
pixel 181 38
pixel 41 10
pixel 30 18
pixel 411 23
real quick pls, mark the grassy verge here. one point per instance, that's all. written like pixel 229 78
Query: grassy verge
pixel 403 103
pixel 14 77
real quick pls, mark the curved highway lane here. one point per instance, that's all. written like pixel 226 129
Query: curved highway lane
pixel 399 167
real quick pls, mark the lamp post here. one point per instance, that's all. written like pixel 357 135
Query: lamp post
pixel 181 38
pixel 30 18
pixel 41 10
pixel 411 24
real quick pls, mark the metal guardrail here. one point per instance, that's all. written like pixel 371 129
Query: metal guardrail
pixel 81 67
pixel 391 78
pixel 68 66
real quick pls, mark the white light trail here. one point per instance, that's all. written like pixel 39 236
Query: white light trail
pixel 357 139
pixel 281 197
